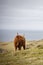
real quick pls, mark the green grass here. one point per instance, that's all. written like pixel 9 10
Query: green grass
pixel 32 56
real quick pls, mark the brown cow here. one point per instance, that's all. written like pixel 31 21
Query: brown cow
pixel 19 42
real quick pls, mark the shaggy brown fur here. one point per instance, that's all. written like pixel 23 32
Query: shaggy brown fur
pixel 19 41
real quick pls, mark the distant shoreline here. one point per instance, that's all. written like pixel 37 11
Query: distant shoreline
pixel 26 40
pixel 9 35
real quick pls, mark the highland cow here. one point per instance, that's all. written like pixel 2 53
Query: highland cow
pixel 19 42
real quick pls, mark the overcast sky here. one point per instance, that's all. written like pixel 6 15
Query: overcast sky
pixel 21 14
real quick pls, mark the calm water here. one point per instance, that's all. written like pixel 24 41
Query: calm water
pixel 8 35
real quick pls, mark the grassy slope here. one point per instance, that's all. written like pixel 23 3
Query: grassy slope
pixel 33 55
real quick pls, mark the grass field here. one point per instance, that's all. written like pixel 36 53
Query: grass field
pixel 33 55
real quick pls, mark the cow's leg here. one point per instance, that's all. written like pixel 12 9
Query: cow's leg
pixel 19 46
pixel 24 47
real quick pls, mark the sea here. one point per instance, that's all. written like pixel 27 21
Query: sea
pixel 9 35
